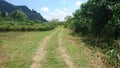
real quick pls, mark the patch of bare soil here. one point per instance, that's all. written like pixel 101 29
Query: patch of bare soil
pixel 2 59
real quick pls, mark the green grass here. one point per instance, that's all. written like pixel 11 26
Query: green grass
pixel 75 50
pixel 1 43
pixel 52 57
pixel 18 47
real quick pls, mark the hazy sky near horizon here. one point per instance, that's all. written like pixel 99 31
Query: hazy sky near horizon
pixel 51 9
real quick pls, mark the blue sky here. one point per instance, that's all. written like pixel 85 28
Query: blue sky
pixel 51 9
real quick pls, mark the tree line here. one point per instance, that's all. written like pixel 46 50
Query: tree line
pixel 99 21
pixel 18 21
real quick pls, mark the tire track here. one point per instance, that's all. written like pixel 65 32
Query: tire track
pixel 63 52
pixel 40 52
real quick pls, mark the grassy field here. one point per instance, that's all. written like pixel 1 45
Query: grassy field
pixel 17 48
pixel 53 49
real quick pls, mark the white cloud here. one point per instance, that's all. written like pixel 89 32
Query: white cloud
pixel 57 14
pixel 79 3
pixel 45 9
pixel 53 14
pixel 63 2
pixel 66 9
pixel 59 11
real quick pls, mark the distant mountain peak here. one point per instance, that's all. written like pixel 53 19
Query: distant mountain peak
pixel 32 14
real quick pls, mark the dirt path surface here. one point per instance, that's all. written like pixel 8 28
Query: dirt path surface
pixel 63 52
pixel 40 52
pixel 56 49
pixel 2 59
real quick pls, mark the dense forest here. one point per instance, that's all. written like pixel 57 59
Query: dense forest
pixel 99 22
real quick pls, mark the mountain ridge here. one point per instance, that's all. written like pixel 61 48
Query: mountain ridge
pixel 32 14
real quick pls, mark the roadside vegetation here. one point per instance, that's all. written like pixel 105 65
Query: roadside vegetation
pixel 98 22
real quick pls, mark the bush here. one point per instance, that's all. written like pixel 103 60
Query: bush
pixel 99 19
pixel 22 26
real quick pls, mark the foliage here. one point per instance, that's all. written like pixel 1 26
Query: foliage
pixel 54 20
pixel 18 15
pixel 18 21
pixel 23 26
pixel 38 21
pixel 3 14
pixel 100 20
